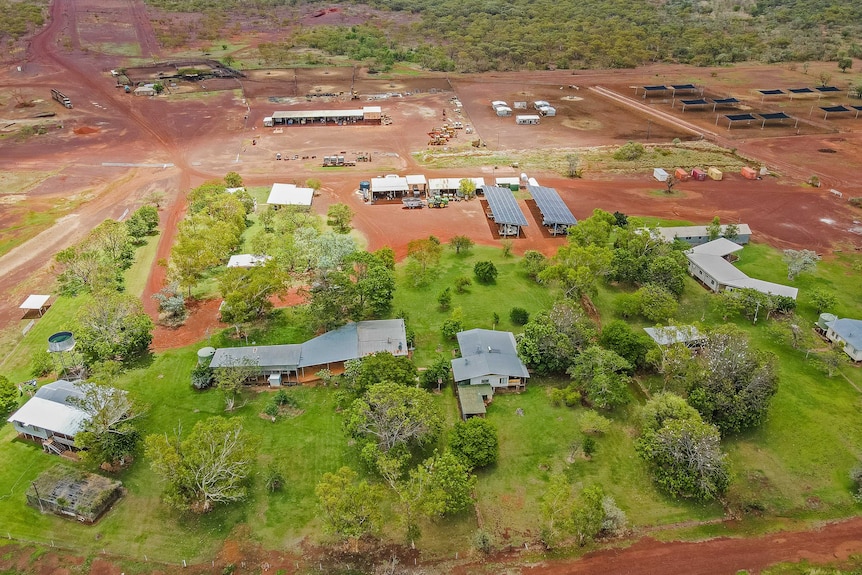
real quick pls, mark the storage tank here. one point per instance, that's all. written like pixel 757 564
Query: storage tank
pixel 205 354
pixel 824 319
pixel 61 341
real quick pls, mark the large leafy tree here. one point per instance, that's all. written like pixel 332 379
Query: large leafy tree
pixel 565 513
pixel 247 293
pixel 109 433
pixel 350 508
pixel 735 383
pixel 375 282
pixel 377 368
pixel 800 261
pixel 577 268
pixel 682 450
pixel 210 466
pixel 142 223
pixel 8 395
pixel 392 415
pixel 424 255
pixel 475 441
pixel 442 484
pixel 602 377
pixel 631 345
pixel 230 378
pixel 552 339
pixel 112 326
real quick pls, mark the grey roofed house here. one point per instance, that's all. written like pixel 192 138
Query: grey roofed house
pixel 697 235
pixel 848 332
pixel 351 341
pixel 489 357
pixel 50 417
pixel 671 334
pixel 708 265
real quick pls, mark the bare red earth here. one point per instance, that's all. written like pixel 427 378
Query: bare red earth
pixel 174 144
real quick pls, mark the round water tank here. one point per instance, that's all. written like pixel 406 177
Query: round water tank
pixel 206 352
pixel 61 341
pixel 524 177
pixel 826 318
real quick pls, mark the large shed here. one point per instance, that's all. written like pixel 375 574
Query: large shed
pixel 444 186
pixel 391 187
pixel 290 195
pixel 365 115
pixel 505 210
pixel 556 215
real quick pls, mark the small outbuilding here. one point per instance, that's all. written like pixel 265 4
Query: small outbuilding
pixel 145 90
pixel 749 173
pixel 35 302
pixel 681 174
pixel 246 261
pixel 698 175
pixel 527 119
pixel 660 174
pixel 714 174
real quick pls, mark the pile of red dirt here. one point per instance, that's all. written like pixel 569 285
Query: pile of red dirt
pixel 86 130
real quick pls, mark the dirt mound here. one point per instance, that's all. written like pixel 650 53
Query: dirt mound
pixel 86 130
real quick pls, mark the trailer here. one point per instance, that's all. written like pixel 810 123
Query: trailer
pixel 412 203
pixel 62 98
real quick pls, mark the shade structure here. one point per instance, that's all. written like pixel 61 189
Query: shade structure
pixel 697 102
pixel 684 87
pixel 35 301
pixel 724 102
pixel 772 116
pixel 505 210
pixel 654 90
pixel 827 89
pixel 799 91
pixel 555 213
pixel 834 110
pixel 731 118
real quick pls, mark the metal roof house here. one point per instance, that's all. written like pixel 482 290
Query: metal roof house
pixel 707 263
pixel 671 334
pixel 50 418
pixel 298 362
pixel 848 332
pixel 489 357
pixel 697 235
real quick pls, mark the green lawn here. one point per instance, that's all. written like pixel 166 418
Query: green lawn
pixel 793 468
pixel 479 303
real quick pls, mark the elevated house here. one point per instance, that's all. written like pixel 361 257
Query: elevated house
pixel 708 263
pixel 489 362
pixel 489 358
pixel 849 333
pixel 299 362
pixel 697 235
pixel 51 417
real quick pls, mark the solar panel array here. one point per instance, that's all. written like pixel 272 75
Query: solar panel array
pixel 554 210
pixel 503 206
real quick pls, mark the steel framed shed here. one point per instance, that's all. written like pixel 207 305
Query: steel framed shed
pixel 556 215
pixel 505 210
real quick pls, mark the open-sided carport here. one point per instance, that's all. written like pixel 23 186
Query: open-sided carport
pixel 776 117
pixel 838 109
pixel 556 215
pixel 504 210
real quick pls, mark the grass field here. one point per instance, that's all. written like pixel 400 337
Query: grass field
pixel 792 469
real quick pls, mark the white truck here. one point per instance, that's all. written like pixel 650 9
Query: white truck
pixel 62 98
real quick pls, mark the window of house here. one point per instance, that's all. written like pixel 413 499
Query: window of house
pixel 486 381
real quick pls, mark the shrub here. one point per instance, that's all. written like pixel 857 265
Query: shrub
pixel 519 316
pixel 592 422
pixel 856 478
pixel 41 364
pixel 483 541
pixel 271 409
pixel 486 272
pixel 629 151
pixel 588 446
